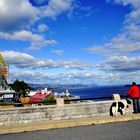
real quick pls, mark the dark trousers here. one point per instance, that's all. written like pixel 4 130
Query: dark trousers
pixel 136 105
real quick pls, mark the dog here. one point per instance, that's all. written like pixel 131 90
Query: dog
pixel 119 106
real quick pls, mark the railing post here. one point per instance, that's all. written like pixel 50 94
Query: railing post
pixel 60 101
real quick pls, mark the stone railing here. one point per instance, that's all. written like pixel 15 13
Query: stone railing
pixel 55 112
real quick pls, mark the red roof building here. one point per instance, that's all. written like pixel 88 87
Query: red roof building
pixel 38 97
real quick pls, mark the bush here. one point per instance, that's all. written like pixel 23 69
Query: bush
pixel 1 101
pixel 49 101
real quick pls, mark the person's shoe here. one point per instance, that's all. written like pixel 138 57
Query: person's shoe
pixel 135 112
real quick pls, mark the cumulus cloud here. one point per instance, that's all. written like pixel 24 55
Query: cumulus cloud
pixel 60 78
pixel 34 69
pixel 120 64
pixel 112 70
pixel 15 14
pixel 37 45
pixel 22 35
pixel 124 43
pixel 56 7
pixel 134 3
pixel 128 40
pixel 74 77
pixel 18 16
pixel 75 64
pixel 23 60
pixel 37 41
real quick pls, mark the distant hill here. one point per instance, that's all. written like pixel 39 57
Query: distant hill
pixel 130 85
pixel 60 86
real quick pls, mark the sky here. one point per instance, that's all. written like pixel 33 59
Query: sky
pixel 71 41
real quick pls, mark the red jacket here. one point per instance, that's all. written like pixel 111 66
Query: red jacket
pixel 134 92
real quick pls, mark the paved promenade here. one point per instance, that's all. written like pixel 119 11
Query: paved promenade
pixel 45 125
pixel 129 130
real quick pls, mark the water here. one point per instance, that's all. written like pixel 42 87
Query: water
pixel 97 92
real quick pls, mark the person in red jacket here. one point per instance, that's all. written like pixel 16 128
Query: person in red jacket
pixel 134 92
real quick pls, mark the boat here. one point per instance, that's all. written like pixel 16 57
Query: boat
pixel 66 95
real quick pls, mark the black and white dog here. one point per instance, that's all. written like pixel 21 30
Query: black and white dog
pixel 119 106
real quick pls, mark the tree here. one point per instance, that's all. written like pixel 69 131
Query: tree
pixel 20 86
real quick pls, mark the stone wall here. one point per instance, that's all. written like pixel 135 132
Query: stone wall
pixel 54 112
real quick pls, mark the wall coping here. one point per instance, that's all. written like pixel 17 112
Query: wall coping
pixel 56 106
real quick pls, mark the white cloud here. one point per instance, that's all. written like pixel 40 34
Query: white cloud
pixel 37 45
pixel 22 35
pixel 76 64
pixel 74 77
pixel 114 70
pixel 43 28
pixel 125 43
pixel 17 17
pixel 60 78
pixel 120 64
pixel 37 41
pixel 128 40
pixel 23 60
pixel 121 61
pixel 134 3
pixel 59 52
pixel 16 14
pixel 16 58
pixel 56 7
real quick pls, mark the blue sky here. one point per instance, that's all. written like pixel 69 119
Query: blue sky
pixel 71 41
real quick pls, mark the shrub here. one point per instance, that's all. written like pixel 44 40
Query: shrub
pixel 49 101
pixel 1 101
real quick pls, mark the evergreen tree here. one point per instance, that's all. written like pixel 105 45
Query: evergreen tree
pixel 22 87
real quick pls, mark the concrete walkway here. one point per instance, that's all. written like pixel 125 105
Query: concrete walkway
pixel 44 125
